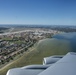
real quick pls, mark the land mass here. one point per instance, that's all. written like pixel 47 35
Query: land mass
pixel 31 45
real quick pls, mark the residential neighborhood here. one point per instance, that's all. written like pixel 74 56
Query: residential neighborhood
pixel 15 43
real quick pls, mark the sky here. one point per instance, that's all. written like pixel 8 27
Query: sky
pixel 44 12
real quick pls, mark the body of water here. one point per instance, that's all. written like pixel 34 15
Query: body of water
pixel 71 37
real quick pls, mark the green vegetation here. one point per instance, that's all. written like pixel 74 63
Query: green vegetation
pixel 19 42
pixel 35 54
pixel 7 38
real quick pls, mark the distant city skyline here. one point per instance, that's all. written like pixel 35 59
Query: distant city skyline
pixel 38 12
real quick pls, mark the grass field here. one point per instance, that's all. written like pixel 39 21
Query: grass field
pixel 35 55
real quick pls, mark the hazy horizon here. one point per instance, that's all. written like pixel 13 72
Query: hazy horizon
pixel 33 25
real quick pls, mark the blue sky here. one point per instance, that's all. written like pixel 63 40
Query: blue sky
pixel 45 12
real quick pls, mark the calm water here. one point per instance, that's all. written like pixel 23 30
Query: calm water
pixel 68 36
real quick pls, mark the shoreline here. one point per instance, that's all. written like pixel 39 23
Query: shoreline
pixel 16 58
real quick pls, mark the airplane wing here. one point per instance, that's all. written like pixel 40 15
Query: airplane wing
pixel 54 65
